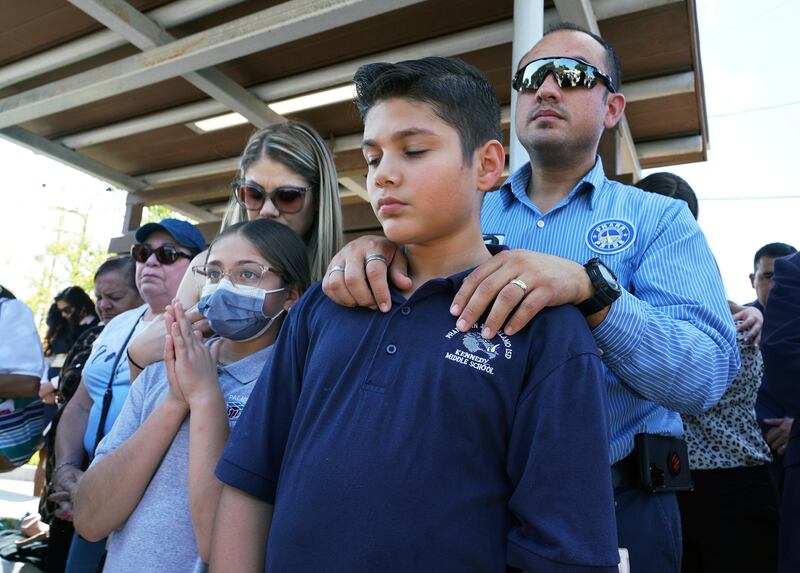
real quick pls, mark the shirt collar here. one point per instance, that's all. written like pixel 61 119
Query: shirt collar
pixel 451 283
pixel 248 368
pixel 516 186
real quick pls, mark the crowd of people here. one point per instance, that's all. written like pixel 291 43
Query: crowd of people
pixel 542 377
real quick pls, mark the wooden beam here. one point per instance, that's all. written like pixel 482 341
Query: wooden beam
pixel 143 33
pixel 280 24
pixel 452 45
pixel 167 16
pixel 194 212
pixel 55 150
pixel 357 184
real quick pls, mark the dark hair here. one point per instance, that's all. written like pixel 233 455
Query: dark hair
pixel 670 185
pixel 5 293
pixel 457 92
pixel 613 65
pixel 773 251
pixel 77 298
pixel 277 243
pixel 122 264
pixel 56 326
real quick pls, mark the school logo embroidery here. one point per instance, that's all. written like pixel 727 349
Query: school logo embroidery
pixel 476 352
pixel 610 236
pixel 234 408
pixel 475 343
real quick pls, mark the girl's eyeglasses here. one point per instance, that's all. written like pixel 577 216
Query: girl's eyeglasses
pixel 248 275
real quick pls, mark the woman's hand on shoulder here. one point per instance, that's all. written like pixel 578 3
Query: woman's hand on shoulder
pixel 359 274
pixel 191 365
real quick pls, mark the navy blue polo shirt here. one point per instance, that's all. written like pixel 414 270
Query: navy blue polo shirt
pixel 394 443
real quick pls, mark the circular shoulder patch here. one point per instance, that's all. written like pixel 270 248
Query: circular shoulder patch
pixel 610 236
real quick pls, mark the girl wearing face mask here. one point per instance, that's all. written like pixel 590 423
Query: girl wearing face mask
pixel 152 476
pixel 286 174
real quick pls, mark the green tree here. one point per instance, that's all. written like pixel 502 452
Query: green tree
pixel 70 259
pixel 155 213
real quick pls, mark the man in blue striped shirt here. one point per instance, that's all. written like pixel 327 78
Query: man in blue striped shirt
pixel 667 338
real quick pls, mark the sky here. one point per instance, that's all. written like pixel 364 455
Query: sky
pixel 748 193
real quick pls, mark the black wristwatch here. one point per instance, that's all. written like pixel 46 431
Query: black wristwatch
pixel 606 287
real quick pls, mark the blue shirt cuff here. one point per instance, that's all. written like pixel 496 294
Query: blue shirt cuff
pixel 622 331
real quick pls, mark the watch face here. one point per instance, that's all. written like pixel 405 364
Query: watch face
pixel 608 276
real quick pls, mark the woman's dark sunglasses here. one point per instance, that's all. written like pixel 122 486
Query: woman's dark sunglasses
pixel 286 199
pixel 568 73
pixel 165 254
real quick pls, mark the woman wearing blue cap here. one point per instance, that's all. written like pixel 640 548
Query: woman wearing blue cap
pixel 162 253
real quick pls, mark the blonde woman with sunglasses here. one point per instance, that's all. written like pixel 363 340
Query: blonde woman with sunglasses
pixel 286 174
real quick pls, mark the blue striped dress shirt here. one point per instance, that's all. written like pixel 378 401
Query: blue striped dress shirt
pixel 668 342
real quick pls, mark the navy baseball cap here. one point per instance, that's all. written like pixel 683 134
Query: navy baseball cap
pixel 185 234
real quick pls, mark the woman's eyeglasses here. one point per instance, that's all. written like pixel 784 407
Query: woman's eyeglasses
pixel 248 274
pixel 165 254
pixel 568 73
pixel 286 198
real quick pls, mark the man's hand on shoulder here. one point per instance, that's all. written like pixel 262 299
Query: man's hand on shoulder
pixel 550 281
pixel 351 280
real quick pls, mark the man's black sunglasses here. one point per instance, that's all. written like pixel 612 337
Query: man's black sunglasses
pixel 165 254
pixel 568 73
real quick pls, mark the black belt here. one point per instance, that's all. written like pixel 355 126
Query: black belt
pixel 625 473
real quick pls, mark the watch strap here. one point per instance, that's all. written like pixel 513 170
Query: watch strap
pixel 604 294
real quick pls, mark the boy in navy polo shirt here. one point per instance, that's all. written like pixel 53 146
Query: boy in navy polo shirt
pixel 393 442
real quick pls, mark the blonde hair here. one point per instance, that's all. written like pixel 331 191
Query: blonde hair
pixel 303 151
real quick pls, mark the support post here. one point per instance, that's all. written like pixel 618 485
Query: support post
pixel 528 29
pixel 133 217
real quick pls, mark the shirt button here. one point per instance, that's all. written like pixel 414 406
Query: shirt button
pixel 405 311
pixel 391 349
pixel 540 223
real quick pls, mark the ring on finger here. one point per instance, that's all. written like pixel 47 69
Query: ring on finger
pixel 521 284
pixel 336 269
pixel 375 257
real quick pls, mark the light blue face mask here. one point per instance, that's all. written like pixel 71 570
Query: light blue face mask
pixel 236 312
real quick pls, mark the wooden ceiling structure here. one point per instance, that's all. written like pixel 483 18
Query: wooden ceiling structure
pixel 114 87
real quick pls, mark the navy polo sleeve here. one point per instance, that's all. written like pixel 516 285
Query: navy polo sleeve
pixel 780 342
pixel 252 457
pixel 558 462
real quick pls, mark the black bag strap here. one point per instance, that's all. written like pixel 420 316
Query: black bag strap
pixel 109 393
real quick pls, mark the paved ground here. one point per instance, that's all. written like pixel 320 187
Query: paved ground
pixel 16 490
